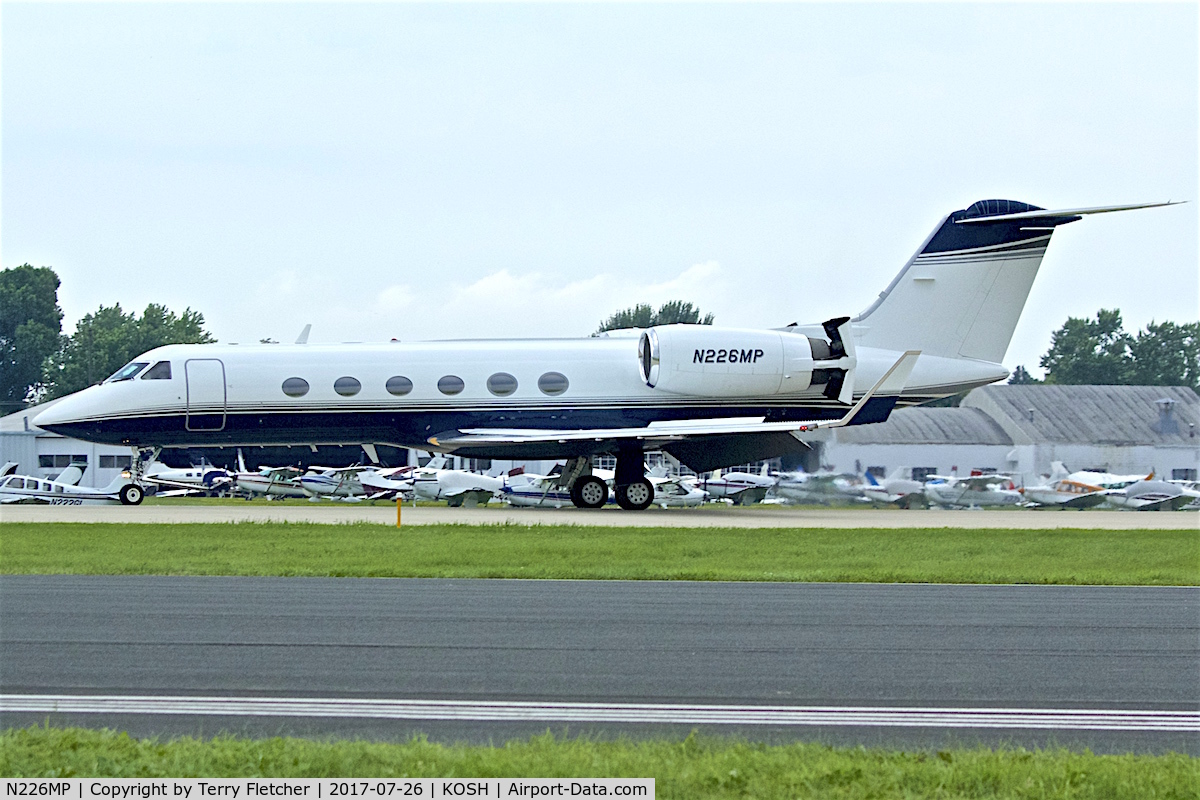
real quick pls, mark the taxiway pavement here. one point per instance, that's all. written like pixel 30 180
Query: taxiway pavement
pixel 711 516
pixel 487 660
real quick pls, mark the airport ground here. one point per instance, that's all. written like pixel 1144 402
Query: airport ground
pixel 721 516
pixel 679 645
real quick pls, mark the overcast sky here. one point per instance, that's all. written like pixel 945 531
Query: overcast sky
pixel 439 171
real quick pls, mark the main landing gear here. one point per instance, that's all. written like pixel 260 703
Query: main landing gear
pixel 633 491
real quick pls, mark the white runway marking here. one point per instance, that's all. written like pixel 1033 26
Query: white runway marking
pixel 1027 718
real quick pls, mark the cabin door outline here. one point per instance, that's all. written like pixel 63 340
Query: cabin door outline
pixel 205 394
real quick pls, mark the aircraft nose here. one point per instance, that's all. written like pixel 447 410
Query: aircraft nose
pixel 73 408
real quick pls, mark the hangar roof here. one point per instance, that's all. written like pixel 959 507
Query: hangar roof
pixel 1104 415
pixel 929 426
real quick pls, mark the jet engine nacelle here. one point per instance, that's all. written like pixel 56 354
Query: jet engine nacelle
pixel 726 362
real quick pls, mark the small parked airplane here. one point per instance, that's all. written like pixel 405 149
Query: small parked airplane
pixel 204 479
pixel 712 397
pixel 333 482
pixel 743 488
pixel 823 488
pixel 271 482
pixel 977 491
pixel 897 489
pixel 1064 491
pixel 63 491
pixel 388 484
pixel 457 487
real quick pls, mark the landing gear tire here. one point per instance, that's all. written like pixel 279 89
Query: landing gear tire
pixel 589 492
pixel 636 496
pixel 131 494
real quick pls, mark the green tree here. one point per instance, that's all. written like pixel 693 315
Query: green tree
pixel 1087 351
pixel 1021 377
pixel 644 316
pixel 1166 354
pixel 30 331
pixel 105 341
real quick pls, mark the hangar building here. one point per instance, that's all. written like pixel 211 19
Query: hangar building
pixel 1022 429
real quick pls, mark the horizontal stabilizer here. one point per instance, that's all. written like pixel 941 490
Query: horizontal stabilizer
pixel 1045 214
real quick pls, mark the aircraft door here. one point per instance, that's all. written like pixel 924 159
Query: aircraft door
pixel 205 394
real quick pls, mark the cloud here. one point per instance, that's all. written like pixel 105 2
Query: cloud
pixel 504 304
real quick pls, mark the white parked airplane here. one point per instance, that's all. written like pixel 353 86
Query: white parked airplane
pixel 824 488
pixel 388 484
pixel 270 481
pixel 30 489
pixel 457 487
pixel 1063 491
pixel 204 479
pixel 897 489
pixel 977 491
pixel 330 483
pixel 743 488
pixel 711 397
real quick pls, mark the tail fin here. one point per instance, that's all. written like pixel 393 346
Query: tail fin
pixel 72 474
pixel 962 293
pixel 870 479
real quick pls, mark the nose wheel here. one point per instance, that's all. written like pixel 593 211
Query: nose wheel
pixel 636 496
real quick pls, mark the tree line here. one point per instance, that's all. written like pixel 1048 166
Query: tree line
pixel 1099 351
pixel 38 362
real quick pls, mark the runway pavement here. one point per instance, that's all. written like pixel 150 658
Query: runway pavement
pixel 1110 668
pixel 709 516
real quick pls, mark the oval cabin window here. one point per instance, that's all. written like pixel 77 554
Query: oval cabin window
pixel 553 383
pixel 451 384
pixel 502 384
pixel 347 386
pixel 399 385
pixel 295 387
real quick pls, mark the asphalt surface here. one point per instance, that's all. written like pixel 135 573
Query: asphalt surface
pixel 683 645
pixel 770 516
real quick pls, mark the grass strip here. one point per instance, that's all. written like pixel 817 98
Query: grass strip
pixel 920 555
pixel 696 767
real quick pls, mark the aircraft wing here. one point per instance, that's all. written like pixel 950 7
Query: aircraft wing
pixel 467 490
pixel 887 387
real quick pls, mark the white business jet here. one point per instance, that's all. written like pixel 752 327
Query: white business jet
pixel 711 397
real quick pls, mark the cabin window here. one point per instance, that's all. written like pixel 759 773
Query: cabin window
pixel 127 372
pixel 347 386
pixel 553 383
pixel 295 387
pixel 451 384
pixel 502 384
pixel 58 488
pixel 159 372
pixel 399 385
pixel 16 483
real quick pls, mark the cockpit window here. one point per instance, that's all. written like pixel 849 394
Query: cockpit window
pixel 127 372
pixel 159 372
